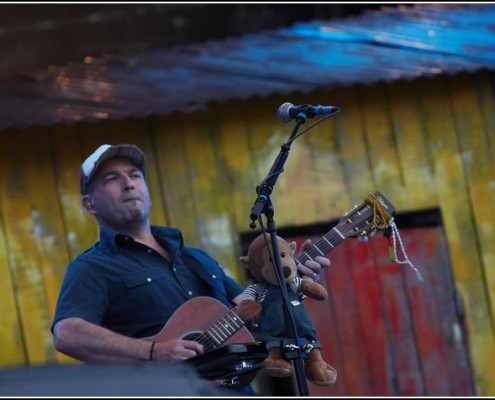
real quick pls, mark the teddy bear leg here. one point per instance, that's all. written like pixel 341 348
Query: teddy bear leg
pixel 275 365
pixel 318 371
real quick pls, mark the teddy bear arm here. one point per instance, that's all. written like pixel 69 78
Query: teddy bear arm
pixel 313 289
pixel 249 310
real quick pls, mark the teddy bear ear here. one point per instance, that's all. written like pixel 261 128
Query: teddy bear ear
pixel 244 260
pixel 292 246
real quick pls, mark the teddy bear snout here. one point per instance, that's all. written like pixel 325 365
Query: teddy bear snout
pixel 287 271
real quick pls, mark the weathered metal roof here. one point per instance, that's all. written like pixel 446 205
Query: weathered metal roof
pixel 403 42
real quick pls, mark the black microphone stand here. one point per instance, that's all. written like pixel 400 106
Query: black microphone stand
pixel 293 350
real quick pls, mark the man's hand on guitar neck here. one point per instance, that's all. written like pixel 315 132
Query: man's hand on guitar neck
pixel 176 350
pixel 312 268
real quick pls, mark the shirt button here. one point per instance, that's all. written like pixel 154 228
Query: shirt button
pixel 214 276
pixel 149 251
pixel 175 269
pixel 189 293
pixel 149 279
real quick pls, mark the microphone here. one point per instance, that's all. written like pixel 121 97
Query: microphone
pixel 288 111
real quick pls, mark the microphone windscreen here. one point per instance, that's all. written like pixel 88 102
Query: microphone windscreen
pixel 283 112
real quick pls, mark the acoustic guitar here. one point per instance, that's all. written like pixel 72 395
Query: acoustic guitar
pixel 214 325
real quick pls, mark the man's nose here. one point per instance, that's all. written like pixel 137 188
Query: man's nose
pixel 128 183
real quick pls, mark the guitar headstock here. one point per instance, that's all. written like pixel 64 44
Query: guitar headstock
pixel 372 215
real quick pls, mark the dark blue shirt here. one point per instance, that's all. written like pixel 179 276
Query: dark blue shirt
pixel 129 288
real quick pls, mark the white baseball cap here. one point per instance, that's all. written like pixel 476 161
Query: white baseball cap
pixel 104 153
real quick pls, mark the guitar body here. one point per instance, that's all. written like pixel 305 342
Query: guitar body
pixel 194 317
pixel 234 361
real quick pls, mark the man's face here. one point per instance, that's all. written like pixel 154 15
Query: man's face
pixel 119 194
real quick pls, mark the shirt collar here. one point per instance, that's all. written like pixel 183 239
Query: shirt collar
pixel 171 237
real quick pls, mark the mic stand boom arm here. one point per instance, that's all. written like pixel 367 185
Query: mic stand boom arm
pixel 266 187
pixel 263 205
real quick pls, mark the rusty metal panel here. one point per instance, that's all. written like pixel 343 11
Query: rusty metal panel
pixel 402 42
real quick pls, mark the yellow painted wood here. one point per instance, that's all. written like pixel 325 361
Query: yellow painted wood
pixel 175 182
pixel 486 185
pixel 34 238
pixel 351 141
pixel 476 146
pixel 237 164
pixel 457 212
pixel 301 192
pixel 235 151
pixel 412 146
pixel 381 143
pixel 80 227
pixel 11 334
pixel 479 168
pixel 486 103
pixel 328 190
pixel 210 190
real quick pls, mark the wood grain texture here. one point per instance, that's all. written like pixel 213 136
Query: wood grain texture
pixel 457 213
pixel 35 239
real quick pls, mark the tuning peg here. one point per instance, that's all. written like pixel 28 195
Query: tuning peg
pixel 362 237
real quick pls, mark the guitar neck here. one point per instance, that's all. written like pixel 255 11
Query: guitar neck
pixel 323 246
pixel 221 330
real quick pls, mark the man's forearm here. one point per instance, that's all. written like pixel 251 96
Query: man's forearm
pixel 91 343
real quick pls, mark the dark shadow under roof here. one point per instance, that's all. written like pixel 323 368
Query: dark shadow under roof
pixel 405 42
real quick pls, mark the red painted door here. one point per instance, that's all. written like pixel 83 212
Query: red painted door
pixel 385 332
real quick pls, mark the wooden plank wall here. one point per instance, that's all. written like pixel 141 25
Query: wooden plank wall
pixel 425 143
pixel 386 332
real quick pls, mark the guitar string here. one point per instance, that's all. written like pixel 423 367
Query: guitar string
pixel 311 253
pixel 322 243
pixel 207 340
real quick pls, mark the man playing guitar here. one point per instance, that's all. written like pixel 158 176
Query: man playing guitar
pixel 118 295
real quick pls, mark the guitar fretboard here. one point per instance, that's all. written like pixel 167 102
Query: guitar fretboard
pixel 221 330
pixel 323 245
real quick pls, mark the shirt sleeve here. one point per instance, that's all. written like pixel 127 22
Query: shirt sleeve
pixel 83 294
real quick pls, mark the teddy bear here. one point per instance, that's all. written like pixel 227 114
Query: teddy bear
pixel 262 300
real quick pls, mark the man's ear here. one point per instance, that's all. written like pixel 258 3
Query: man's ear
pixel 88 204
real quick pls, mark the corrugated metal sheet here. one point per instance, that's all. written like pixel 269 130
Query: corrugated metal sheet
pixel 405 42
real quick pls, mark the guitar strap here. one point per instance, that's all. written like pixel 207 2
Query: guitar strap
pixel 204 269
